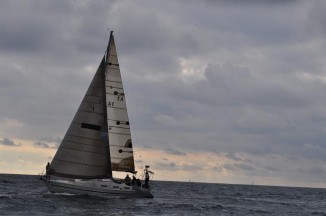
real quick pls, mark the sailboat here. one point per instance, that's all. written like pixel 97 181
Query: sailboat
pixel 98 141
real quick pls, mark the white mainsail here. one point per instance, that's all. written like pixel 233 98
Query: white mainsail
pixel 83 152
pixel 98 140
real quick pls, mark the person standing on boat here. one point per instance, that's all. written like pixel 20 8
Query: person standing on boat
pixel 47 168
pixel 133 180
pixel 127 180
pixel 146 178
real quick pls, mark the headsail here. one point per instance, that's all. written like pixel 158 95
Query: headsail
pixel 84 151
pixel 118 122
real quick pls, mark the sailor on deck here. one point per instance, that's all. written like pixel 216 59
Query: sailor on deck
pixel 146 171
pixel 127 180
pixel 47 168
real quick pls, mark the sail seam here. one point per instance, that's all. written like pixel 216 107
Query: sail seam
pixel 119 94
pixel 117 108
pixel 119 146
pixel 96 113
pixel 119 127
pixel 113 81
pixel 113 87
pixel 82 150
pixel 90 95
pixel 77 163
pixel 118 157
pixel 91 102
pixel 84 144
pixel 84 137
pixel 116 120
pixel 119 133
pixel 110 67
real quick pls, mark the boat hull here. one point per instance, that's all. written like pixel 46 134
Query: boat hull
pixel 107 188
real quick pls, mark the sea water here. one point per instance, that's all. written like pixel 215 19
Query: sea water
pixel 27 195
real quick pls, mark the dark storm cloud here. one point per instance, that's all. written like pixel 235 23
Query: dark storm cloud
pixel 9 142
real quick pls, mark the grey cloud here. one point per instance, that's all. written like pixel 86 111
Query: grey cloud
pixel 238 166
pixel 174 152
pixel 217 168
pixel 233 156
pixel 244 166
pixel 273 169
pixel 190 167
pixel 167 166
pixel 229 167
pixel 41 145
pixel 48 142
pixel 259 89
pixel 57 140
pixel 9 142
pixel 263 2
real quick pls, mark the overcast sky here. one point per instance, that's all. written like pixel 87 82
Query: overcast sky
pixel 225 91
